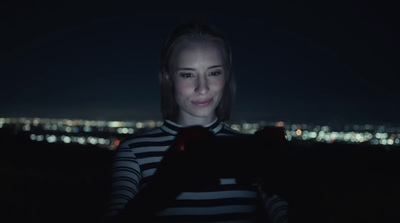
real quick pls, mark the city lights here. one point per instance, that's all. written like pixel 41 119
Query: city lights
pixel 109 134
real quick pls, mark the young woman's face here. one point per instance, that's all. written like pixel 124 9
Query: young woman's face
pixel 198 74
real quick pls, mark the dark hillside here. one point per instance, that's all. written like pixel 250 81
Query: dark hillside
pixel 325 182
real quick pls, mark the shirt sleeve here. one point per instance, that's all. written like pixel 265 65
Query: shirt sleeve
pixel 276 207
pixel 125 178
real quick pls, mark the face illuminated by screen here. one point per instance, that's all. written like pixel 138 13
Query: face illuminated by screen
pixel 198 76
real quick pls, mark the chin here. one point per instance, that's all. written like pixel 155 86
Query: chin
pixel 202 114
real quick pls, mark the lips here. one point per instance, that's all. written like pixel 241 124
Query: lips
pixel 202 103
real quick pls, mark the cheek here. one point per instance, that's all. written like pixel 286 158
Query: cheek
pixel 182 89
pixel 219 86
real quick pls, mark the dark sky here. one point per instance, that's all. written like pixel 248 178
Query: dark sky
pixel 296 61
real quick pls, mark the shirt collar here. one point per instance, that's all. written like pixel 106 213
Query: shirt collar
pixel 173 127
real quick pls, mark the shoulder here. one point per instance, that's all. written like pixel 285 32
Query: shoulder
pixel 143 136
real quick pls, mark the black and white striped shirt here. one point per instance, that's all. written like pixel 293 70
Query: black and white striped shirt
pixel 137 159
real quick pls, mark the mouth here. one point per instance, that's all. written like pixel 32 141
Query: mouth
pixel 202 103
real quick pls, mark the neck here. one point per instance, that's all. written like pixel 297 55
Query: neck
pixel 196 121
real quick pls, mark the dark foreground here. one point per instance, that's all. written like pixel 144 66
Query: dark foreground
pixel 67 183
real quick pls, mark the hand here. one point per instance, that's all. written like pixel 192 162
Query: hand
pixel 180 168
pixel 177 172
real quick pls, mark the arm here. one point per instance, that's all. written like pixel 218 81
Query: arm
pixel 125 180
pixel 175 173
pixel 276 207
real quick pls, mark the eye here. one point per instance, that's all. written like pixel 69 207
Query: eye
pixel 186 75
pixel 215 73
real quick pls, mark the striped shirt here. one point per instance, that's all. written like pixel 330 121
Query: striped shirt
pixel 137 158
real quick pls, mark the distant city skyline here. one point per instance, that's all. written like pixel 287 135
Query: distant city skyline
pixel 108 134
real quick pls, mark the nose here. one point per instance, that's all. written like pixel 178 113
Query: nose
pixel 202 86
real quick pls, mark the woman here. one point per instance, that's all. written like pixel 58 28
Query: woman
pixel 197 87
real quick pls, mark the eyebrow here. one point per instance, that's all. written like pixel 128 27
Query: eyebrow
pixel 188 68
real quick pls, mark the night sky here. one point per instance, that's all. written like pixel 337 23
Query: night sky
pixel 296 61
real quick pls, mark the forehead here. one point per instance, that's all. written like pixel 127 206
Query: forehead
pixel 190 52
